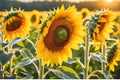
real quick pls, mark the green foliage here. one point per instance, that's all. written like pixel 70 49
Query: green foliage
pixel 24 63
pixel 68 71
pixel 16 40
pixel 64 72
pixel 98 57
pixel 4 58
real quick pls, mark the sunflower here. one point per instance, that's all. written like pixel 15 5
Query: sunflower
pixel 116 29
pixel 1 16
pixel 114 56
pixel 15 24
pixel 84 13
pixel 34 18
pixel 117 26
pixel 42 16
pixel 63 30
pixel 101 25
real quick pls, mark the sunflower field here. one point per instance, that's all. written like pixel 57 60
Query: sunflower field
pixel 63 43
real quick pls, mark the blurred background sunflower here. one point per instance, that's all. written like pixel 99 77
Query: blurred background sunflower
pixel 34 18
pixel 114 56
pixel 101 25
pixel 85 13
pixel 15 24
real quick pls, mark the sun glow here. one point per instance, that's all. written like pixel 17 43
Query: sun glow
pixel 109 0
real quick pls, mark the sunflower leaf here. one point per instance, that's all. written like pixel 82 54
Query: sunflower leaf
pixel 24 63
pixel 98 58
pixel 26 53
pixel 13 76
pixel 16 40
pixel 1 74
pixel 4 58
pixel 60 74
pixel 76 60
pixel 21 44
pixel 70 72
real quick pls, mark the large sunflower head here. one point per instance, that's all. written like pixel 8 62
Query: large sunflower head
pixel 62 31
pixel 84 13
pixel 101 25
pixel 114 56
pixel 15 24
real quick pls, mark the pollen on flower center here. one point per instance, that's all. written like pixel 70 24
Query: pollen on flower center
pixel 14 25
pixel 58 35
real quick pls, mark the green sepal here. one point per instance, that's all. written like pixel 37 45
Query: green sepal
pixel 43 24
pixel 14 13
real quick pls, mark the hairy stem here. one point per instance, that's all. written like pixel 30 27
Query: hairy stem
pixel 11 60
pixel 41 67
pixel 104 55
pixel 86 55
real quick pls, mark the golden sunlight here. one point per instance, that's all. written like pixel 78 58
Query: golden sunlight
pixel 109 0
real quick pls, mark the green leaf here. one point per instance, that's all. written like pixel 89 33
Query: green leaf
pixel 16 40
pixel 76 60
pixel 29 45
pixel 4 44
pixel 98 73
pixel 71 61
pixel 28 77
pixel 26 53
pixel 4 58
pixel 60 74
pixel 98 57
pixel 0 47
pixel 24 63
pixel 13 76
pixel 33 35
pixel 21 44
pixel 1 74
pixel 70 72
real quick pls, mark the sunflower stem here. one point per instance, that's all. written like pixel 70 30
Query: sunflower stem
pixel 86 55
pixel 104 55
pixel 11 66
pixel 1 65
pixel 37 69
pixel 41 67
pixel 9 50
pixel 1 69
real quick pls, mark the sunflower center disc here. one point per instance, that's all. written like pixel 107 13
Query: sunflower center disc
pixel 61 34
pixel 58 35
pixel 33 18
pixel 84 15
pixel 14 25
